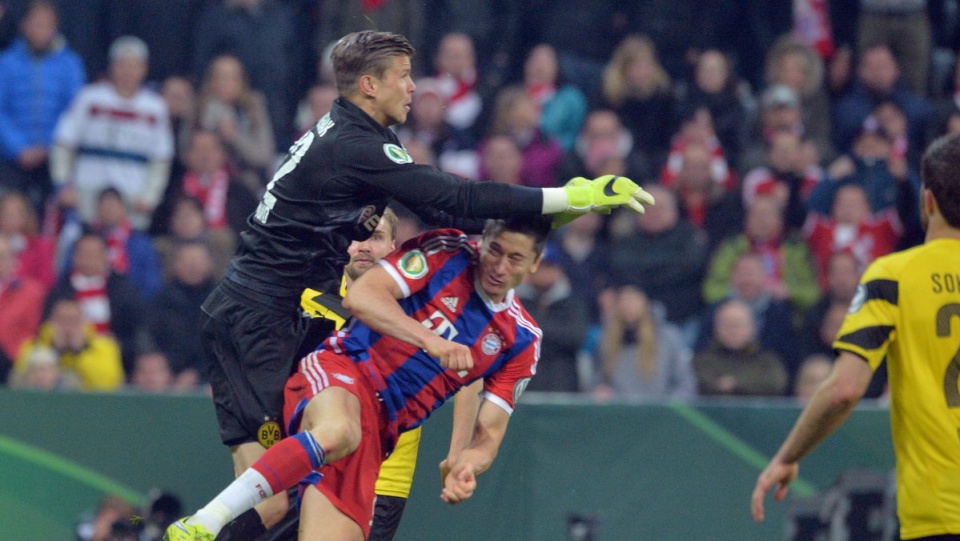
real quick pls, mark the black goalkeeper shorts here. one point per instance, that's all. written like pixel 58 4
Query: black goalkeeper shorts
pixel 386 517
pixel 250 342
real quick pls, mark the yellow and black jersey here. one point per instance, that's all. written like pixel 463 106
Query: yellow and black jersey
pixel 907 310
pixel 396 473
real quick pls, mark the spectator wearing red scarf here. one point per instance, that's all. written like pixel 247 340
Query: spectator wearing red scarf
pixel 130 251
pixel 786 259
pixel 226 203
pixel 108 300
pixel 20 301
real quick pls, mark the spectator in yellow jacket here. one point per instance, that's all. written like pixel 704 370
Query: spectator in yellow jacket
pixel 93 358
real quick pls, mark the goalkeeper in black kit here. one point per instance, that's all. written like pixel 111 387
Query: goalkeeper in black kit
pixel 330 190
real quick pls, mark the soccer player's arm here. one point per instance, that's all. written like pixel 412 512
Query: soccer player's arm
pixel 466 405
pixel 862 343
pixel 373 299
pixel 476 458
pixel 389 168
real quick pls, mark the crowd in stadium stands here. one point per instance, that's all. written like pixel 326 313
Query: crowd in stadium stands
pixel 780 139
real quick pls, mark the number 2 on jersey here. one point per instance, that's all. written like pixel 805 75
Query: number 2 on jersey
pixel 296 153
pixel 950 379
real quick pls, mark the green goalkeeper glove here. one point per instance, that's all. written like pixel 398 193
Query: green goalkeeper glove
pixel 563 218
pixel 606 192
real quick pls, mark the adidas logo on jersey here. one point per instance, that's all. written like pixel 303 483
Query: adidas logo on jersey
pixel 450 303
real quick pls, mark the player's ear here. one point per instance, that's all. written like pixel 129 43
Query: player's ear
pixel 929 202
pixel 367 85
pixel 536 263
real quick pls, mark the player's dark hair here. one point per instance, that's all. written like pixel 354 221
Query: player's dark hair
pixel 940 173
pixel 537 227
pixel 365 53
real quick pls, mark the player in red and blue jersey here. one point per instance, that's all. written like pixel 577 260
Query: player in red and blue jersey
pixel 432 318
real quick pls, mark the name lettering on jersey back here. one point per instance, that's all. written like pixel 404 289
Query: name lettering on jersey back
pixel 945 282
pixel 324 125
pixel 262 214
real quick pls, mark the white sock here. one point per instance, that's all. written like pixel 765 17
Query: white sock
pixel 242 494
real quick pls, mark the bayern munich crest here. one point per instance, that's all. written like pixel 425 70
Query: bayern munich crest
pixel 491 344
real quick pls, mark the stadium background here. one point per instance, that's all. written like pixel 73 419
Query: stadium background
pixel 643 471
pixel 651 471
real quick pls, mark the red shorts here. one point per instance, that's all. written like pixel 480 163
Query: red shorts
pixel 349 482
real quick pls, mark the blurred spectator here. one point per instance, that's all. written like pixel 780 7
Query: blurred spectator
pixel 715 87
pixel 563 106
pixel 811 27
pixel 187 224
pixel 891 117
pixel 813 371
pixel 162 509
pixel 638 89
pixel 851 227
pixel 779 112
pixel 788 265
pixel 41 371
pixel 839 76
pixel 660 254
pixel 262 35
pixel 842 277
pixel 563 24
pixel 165 26
pixel 457 80
pixel 640 354
pixel 151 373
pixel 878 79
pixel 696 128
pixel 314 106
pixel 226 201
pixel 21 300
pixel 518 117
pixel 178 94
pixel 420 153
pixel 109 301
pixel 495 26
pixel 175 314
pixel 826 332
pixel 548 295
pixel 113 515
pixel 338 18
pixel 604 146
pixel 452 146
pixel 820 334
pixel 947 106
pixel 34 252
pixel 883 172
pixel 116 133
pixel 39 76
pixel 502 160
pixel 130 252
pixel 773 317
pixel 798 67
pixel 715 212
pixel 904 27
pixel 93 358
pixel 228 106
pixel 581 252
pixel 784 176
pixel 735 363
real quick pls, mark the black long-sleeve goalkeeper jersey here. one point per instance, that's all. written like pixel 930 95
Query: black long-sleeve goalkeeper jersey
pixel 332 188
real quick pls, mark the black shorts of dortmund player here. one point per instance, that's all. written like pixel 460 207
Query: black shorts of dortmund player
pixel 386 517
pixel 250 342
